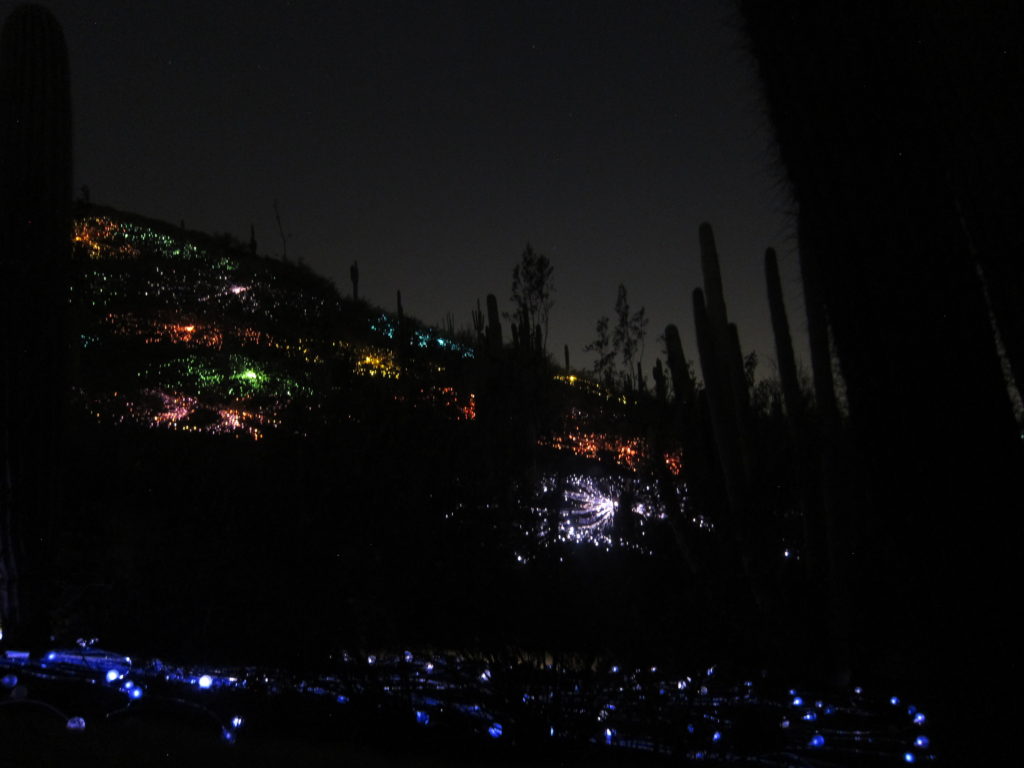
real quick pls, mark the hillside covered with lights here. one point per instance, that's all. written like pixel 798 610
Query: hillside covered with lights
pixel 232 413
pixel 182 331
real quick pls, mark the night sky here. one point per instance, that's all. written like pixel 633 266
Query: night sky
pixel 431 141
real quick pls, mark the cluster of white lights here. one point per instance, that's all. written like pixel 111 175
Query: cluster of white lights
pixel 583 509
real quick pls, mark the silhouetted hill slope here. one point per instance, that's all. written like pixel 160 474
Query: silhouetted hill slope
pixel 261 467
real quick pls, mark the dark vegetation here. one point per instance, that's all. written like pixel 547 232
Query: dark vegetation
pixel 385 504
pixel 369 514
pixel 899 129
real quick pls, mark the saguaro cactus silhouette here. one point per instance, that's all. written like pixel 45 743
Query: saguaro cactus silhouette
pixel 494 341
pixel 783 341
pixel 35 228
pixel 728 400
pixel 682 383
pixel 932 106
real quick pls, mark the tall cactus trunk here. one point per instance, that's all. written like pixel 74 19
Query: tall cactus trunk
pixel 833 479
pixel 783 340
pixel 712 275
pixel 817 332
pixel 724 346
pixel 728 447
pixel 806 479
pixel 401 340
pixel 478 323
pixel 660 384
pixel 494 340
pixel 722 424
pixel 685 426
pixel 816 479
pixel 682 382
pixel 35 236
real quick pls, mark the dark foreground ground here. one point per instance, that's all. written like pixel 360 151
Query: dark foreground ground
pixel 82 706
pixel 30 741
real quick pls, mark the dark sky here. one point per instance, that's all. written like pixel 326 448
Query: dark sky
pixel 432 140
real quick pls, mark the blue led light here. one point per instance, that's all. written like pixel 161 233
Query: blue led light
pixel 227 735
pixel 9 681
pixel 797 701
pixel 919 718
pixel 858 690
pixel 810 717
pixel 894 701
pixel 485 675
pixel 408 657
pixel 205 682
pixel 817 740
pixel 76 724
pixel 135 693
pixel 609 734
pixel 494 731
pixel 551 731
pixel 908 757
pixel 784 724
pixel 342 698
pixel 51 656
pixel 236 722
pixel 690 728
pixel 716 736
pixel 112 675
pixel 422 718
pixel 922 742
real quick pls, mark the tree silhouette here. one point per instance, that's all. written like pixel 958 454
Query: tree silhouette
pixel 623 342
pixel 532 287
pixel 630 332
pixel 602 346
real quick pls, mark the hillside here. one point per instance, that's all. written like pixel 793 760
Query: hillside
pixel 184 331
pixel 260 472
pixel 237 422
